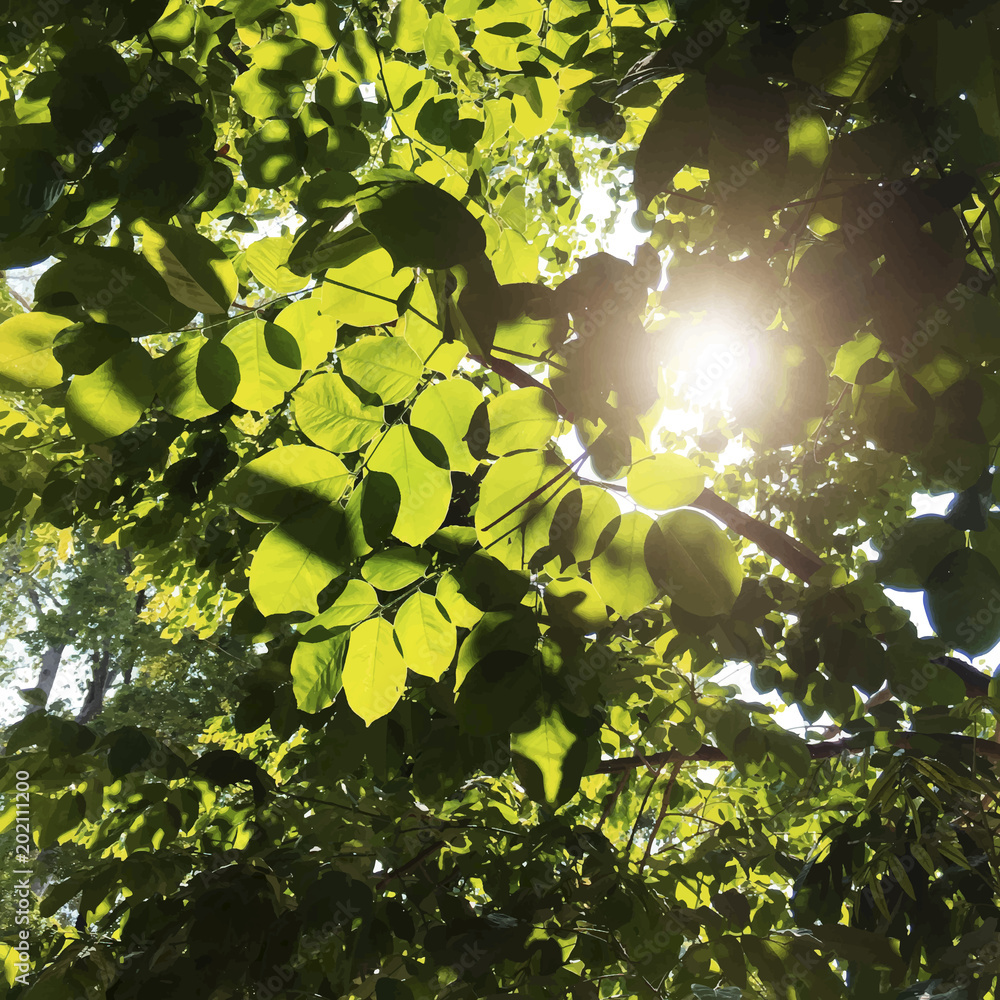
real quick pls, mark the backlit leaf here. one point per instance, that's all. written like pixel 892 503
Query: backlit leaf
pixel 285 481
pixel 419 224
pixel 296 560
pixel 111 399
pixel 196 271
pixel 620 571
pixel 374 672
pixel 26 349
pixel 424 489
pixel 331 415
pixel 385 366
pixel 269 362
pixel 317 669
pixel 702 572
pixel 427 638
pixel 665 481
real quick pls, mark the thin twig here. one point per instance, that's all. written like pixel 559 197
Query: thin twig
pixel 642 807
pixel 612 799
pixel 664 805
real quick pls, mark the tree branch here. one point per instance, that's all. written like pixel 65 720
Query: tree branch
pixel 51 659
pixel 664 805
pixel 792 554
pixel 396 872
pixel 817 751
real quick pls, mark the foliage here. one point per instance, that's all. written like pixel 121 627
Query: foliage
pixel 324 350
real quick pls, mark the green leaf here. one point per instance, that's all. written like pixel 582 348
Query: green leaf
pixel 196 271
pixel 677 136
pixel 517 499
pixel 297 56
pixel 445 410
pixel 364 291
pixel 536 103
pixel 702 572
pixel 408 24
pixel 853 355
pixel 396 568
pixel 287 481
pixel 315 333
pixel 440 123
pixel 26 357
pixel 910 553
pixel 112 398
pixel 323 195
pixel 851 57
pixel 872 371
pixel 317 669
pixel 856 945
pixel 341 149
pixel 550 759
pixel 521 419
pixel 441 42
pixel 790 751
pixel 749 746
pixel 318 22
pixel 296 560
pixel 269 362
pixel 427 637
pixel 574 602
pixel 374 672
pixel 456 605
pixel 418 224
pixel 82 347
pixel 276 153
pixel 114 286
pixel 665 481
pixel 197 378
pixel 620 570
pixel 331 415
pixel 371 512
pixel 269 93
pixel 385 366
pixel 267 258
pixel 175 32
pixel 424 489
pixel 515 630
pixel 356 602
pixel 963 601
pixel 808 150
pixel 581 517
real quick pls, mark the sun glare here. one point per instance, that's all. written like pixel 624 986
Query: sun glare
pixel 711 364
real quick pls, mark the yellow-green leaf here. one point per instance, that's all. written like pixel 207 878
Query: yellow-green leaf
pixel 665 481
pixel 427 637
pixel 374 671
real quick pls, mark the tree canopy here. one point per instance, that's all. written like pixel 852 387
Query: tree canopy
pixel 406 537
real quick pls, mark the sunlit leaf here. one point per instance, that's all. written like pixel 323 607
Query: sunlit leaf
pixel 427 638
pixel 374 672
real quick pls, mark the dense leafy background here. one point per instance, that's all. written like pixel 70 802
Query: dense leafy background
pixel 397 533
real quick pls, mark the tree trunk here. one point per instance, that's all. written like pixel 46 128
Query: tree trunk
pixel 101 679
pixel 51 659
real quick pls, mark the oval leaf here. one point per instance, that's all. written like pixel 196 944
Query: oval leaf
pixel 665 481
pixel 374 672
pixel 427 637
pixel 702 571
